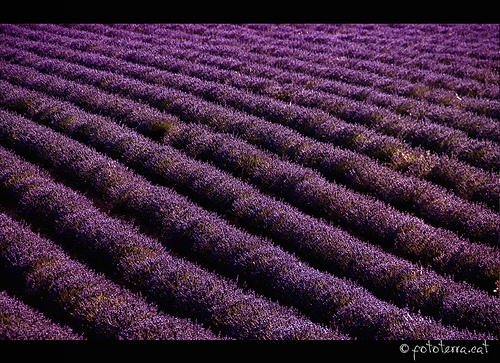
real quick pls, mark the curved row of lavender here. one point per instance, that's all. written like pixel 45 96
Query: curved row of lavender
pixel 250 181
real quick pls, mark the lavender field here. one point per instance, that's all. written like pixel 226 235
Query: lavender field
pixel 249 181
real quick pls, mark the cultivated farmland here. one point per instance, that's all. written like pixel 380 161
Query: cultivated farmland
pixel 249 181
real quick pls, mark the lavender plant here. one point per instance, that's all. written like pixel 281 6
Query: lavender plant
pixel 458 222
pixel 19 321
pixel 374 226
pixel 143 264
pixel 168 63
pixel 72 293
pixel 197 234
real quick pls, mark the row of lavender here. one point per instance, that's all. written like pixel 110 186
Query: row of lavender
pixel 471 54
pixel 420 41
pixel 242 203
pixel 283 178
pixel 360 173
pixel 299 186
pixel 438 138
pixel 390 151
pixel 264 64
pixel 134 259
pixel 48 110
pixel 436 114
pixel 346 53
pixel 342 66
pixel 233 196
pixel 19 321
pixel 73 294
pixel 190 231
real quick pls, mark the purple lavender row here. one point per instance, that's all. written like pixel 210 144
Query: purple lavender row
pixel 351 57
pixel 402 49
pixel 342 83
pixel 405 89
pixel 464 107
pixel 416 86
pixel 434 137
pixel 19 321
pixel 226 196
pixel 283 179
pixel 385 152
pixel 311 61
pixel 475 126
pixel 321 53
pixel 320 38
pixel 490 108
pixel 475 50
pixel 144 265
pixel 200 235
pixel 335 44
pixel 490 197
pixel 267 178
pixel 476 229
pixel 292 90
pixel 254 209
pixel 313 194
pixel 74 294
pixel 397 117
pixel 423 133
pixel 323 45
pixel 360 143
pixel 437 112
pixel 367 79
pixel 436 169
pixel 416 197
pixel 137 72
pixel 87 97
pixel 382 42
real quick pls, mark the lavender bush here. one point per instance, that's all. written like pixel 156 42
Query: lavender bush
pixel 78 296
pixel 21 322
